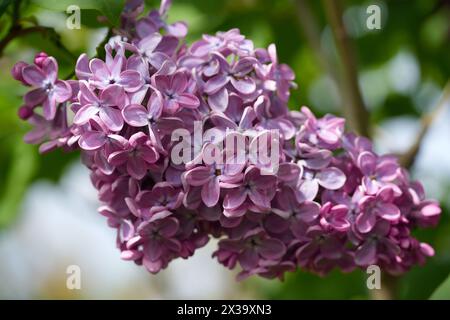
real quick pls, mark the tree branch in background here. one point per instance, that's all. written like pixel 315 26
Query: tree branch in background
pixel 357 114
pixel 408 158
pixel 389 288
pixel 311 30
pixel 48 32
pixel 306 19
pixel 16 31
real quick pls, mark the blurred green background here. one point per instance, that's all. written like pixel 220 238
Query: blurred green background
pixel 402 68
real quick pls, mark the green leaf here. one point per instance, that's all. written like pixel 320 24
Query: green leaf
pixel 20 173
pixel 111 9
pixel 443 291
pixel 4 5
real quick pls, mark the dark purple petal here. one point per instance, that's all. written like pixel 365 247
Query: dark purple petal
pixel 366 254
pixel 198 176
pixel 272 249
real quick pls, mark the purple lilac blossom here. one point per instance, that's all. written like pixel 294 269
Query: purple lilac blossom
pixel 333 203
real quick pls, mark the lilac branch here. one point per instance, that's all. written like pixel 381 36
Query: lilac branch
pixel 408 158
pixel 311 30
pixel 357 114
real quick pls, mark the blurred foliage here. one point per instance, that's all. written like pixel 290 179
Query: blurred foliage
pixel 443 292
pixel 109 8
pixel 418 30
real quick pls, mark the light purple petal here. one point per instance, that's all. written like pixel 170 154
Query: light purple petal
pixel 179 82
pixel 62 91
pixel 211 192
pixel 131 80
pixel 365 221
pixel 234 198
pixel 135 115
pixel 85 113
pixel 245 85
pixel 331 178
pixel 112 118
pixel 149 43
pixel 198 176
pixel 218 101
pixel 149 154
pixel 388 211
pixel 92 140
pixel 367 162
pixel 308 211
pixel 49 108
pixel 307 190
pixel 33 75
pixel 216 83
pixel 50 69
pixel 188 100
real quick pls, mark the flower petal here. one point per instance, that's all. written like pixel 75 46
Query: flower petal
pixel 33 75
pixel 216 83
pixel 244 85
pixel 92 140
pixel 198 176
pixel 112 118
pixel 188 100
pixel 366 254
pixel 331 178
pixel 211 192
pixel 85 114
pixel 135 115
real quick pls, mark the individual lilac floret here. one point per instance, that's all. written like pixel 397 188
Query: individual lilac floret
pixel 111 72
pixel 174 90
pixel 108 106
pixel 137 154
pixel 49 91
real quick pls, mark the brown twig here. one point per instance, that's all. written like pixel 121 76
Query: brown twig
pixel 356 112
pixel 312 32
pixel 18 32
pixel 389 288
pixel 408 158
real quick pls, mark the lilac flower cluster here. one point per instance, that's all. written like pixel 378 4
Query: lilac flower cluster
pixel 332 203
